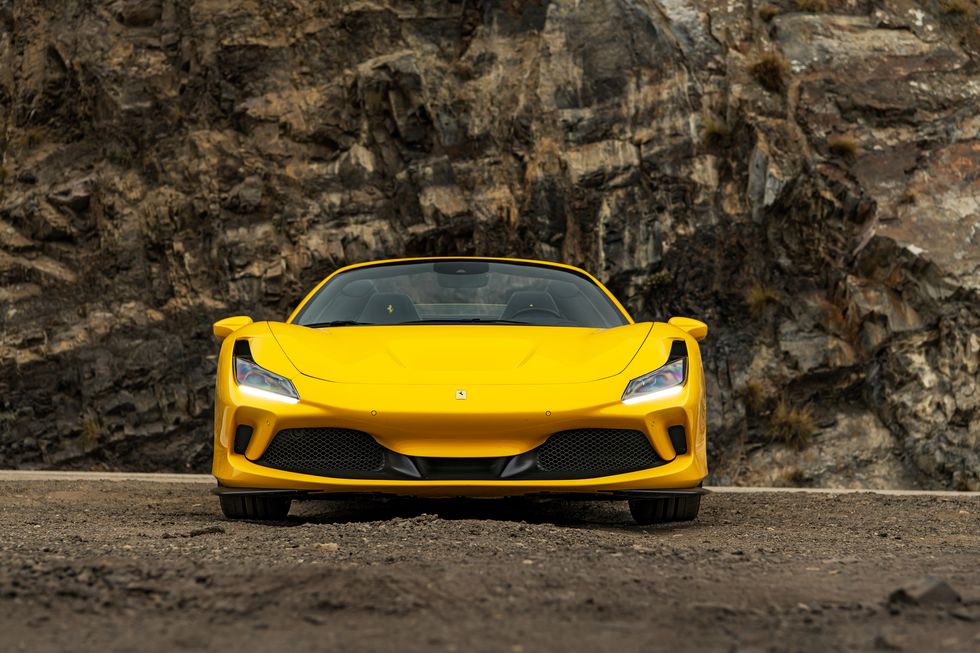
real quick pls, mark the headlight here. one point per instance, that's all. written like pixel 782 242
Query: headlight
pixel 259 382
pixel 666 381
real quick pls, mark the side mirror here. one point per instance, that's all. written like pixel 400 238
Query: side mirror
pixel 224 328
pixel 694 328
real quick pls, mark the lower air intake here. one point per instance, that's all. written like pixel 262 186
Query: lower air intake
pixel 597 452
pixel 323 452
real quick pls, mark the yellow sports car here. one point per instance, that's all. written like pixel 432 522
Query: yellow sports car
pixel 449 377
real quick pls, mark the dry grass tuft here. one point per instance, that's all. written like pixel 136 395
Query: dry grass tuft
pixel 661 279
pixel 770 72
pixel 91 431
pixel 956 7
pixel 715 133
pixel 767 12
pixel 811 6
pixel 34 136
pixel 791 426
pixel 118 155
pixel 845 147
pixel 794 477
pixel 754 395
pixel 758 298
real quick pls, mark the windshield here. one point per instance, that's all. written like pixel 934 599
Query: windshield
pixel 460 292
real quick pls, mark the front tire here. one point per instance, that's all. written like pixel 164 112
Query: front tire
pixel 662 511
pixel 251 507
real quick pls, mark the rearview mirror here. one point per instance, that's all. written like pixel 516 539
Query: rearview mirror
pixel 462 274
pixel 694 328
pixel 224 328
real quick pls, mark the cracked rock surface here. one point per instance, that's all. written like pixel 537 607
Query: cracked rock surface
pixel 166 163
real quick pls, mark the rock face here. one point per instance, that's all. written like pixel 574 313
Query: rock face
pixel 166 163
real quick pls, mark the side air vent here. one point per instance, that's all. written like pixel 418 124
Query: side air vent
pixel 678 349
pixel 678 438
pixel 323 451
pixel 242 350
pixel 243 435
pixel 597 452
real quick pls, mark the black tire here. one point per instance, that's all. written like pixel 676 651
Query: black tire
pixel 662 511
pixel 251 507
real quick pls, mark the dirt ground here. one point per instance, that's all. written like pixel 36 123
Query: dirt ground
pixel 129 566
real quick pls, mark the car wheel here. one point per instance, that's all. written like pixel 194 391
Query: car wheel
pixel 660 511
pixel 246 507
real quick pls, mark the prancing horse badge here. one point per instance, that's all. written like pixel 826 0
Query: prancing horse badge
pixel 461 394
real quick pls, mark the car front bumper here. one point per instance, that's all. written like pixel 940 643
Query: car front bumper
pixel 428 422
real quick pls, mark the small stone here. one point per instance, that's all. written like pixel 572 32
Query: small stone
pixel 925 591
pixel 886 643
pixel 139 13
pixel 209 530
pixel 75 194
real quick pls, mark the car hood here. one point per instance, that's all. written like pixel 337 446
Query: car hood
pixel 455 354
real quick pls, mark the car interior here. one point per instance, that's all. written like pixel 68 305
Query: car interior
pixel 460 293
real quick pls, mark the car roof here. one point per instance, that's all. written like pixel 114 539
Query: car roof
pixel 499 259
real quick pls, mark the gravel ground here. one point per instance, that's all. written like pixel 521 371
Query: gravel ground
pixel 129 566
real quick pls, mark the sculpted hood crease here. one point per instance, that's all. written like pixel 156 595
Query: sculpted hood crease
pixel 422 354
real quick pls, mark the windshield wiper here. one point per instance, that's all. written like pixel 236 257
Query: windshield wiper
pixel 337 323
pixel 474 320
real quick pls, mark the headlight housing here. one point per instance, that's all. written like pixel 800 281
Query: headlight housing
pixel 665 381
pixel 260 382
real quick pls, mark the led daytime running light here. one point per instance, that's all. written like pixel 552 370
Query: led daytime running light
pixel 666 381
pixel 259 382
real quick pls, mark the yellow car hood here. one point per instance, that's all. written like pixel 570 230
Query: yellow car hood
pixel 455 354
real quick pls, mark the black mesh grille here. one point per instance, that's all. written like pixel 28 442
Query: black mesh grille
pixel 598 452
pixel 323 451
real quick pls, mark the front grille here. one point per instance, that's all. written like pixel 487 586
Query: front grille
pixel 597 452
pixel 323 451
pixel 346 453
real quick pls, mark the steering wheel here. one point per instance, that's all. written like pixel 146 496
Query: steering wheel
pixel 540 310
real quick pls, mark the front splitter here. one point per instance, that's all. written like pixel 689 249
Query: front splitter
pixel 610 495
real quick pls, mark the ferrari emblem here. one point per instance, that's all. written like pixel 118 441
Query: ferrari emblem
pixel 461 394
pixel 390 309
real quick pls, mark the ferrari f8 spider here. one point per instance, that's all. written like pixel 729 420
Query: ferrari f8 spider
pixel 460 377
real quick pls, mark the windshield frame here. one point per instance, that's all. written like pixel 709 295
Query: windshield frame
pixel 582 274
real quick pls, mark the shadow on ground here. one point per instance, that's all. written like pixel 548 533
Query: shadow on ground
pixel 560 512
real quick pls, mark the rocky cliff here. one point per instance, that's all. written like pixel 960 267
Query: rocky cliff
pixel 804 176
